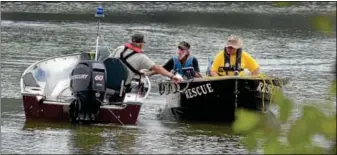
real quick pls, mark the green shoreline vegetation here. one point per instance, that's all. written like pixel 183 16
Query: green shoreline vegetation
pixel 299 139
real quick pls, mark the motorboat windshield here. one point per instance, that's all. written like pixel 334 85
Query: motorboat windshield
pixel 103 50
pixel 52 76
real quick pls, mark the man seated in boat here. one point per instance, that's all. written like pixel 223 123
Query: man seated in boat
pixel 183 63
pixel 233 60
pixel 134 58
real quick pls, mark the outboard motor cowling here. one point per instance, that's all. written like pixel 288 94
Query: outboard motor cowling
pixel 88 85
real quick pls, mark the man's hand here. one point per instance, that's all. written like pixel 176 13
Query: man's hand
pixel 176 79
pixel 198 75
pixel 214 73
pixel 256 72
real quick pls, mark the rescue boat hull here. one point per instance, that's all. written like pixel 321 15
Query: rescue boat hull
pixel 215 100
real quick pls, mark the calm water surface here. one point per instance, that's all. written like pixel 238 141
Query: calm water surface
pixel 281 39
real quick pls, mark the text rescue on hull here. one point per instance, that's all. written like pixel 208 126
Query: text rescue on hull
pixel 199 90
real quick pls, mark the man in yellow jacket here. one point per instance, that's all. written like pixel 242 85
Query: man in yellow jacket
pixel 226 64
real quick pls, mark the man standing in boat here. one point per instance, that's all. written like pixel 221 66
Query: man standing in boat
pixel 135 60
pixel 183 62
pixel 233 60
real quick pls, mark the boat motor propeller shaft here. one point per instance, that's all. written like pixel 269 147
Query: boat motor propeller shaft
pixel 88 85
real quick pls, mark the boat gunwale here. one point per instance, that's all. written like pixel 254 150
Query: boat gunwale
pixel 218 78
pixel 122 105
pixel 103 106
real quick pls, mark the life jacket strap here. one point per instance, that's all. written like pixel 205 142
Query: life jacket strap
pixel 237 67
pixel 126 57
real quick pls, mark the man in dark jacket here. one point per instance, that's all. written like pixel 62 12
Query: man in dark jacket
pixel 183 63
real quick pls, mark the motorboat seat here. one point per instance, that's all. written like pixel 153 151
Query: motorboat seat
pixel 39 74
pixel 117 74
pixel 29 80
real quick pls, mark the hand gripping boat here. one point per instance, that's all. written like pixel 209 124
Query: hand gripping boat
pixel 80 89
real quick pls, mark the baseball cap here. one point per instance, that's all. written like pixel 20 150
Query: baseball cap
pixel 184 45
pixel 138 38
pixel 234 41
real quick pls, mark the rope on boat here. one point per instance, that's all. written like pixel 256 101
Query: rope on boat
pixel 112 113
pixel 59 96
pixel 278 82
pixel 187 85
pixel 264 83
pixel 272 93
pixel 167 88
pixel 160 87
pixel 116 117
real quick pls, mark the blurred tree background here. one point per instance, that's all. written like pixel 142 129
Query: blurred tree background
pixel 300 137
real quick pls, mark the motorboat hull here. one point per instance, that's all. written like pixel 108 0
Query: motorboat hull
pixel 42 101
pixel 215 100
pixel 72 87
pixel 126 113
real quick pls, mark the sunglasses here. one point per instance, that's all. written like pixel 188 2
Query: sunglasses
pixel 180 48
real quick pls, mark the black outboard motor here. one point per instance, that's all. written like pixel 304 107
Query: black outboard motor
pixel 88 85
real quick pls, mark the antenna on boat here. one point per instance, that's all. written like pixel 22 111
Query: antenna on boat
pixel 99 14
